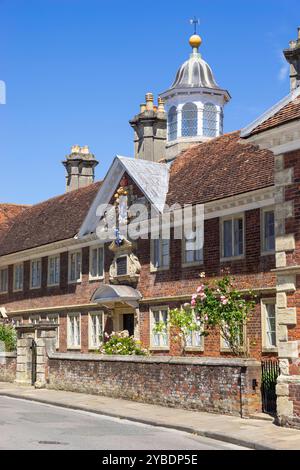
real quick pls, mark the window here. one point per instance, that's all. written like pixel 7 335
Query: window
pixel 95 329
pixel 268 231
pixel 160 253
pixel 35 274
pixel 17 321
pixel 18 277
pixel 209 120
pixel 54 318
pixel 269 323
pixel 189 120
pixel 233 237
pixel 96 262
pixel 53 270
pixel 159 316
pixel 73 335
pixel 75 266
pixel 195 340
pixel 191 253
pixel 3 280
pixel 172 124
pixel 34 319
pixel 225 345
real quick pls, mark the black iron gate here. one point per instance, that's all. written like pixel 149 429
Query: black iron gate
pixel 269 373
pixel 33 362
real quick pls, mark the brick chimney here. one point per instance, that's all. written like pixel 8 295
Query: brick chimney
pixel 292 55
pixel 150 130
pixel 80 165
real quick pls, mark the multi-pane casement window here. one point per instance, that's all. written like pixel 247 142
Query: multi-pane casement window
pixel 34 319
pixel 189 120
pixel 18 276
pixel 160 253
pixel 268 231
pixel 195 340
pixel 225 346
pixel 75 266
pixel 232 229
pixel 3 280
pixel 53 270
pixel 210 120
pixel 268 312
pixel 35 273
pixel 54 318
pixel 159 339
pixel 192 252
pixel 172 124
pixel 73 331
pixel 95 329
pixel 96 262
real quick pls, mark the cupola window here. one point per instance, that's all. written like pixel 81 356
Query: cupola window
pixel 172 124
pixel 209 120
pixel 189 120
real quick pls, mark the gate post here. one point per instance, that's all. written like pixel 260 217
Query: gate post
pixel 44 333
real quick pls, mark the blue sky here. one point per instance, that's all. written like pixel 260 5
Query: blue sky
pixel 77 70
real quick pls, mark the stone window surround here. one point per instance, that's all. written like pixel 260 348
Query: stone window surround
pixel 263 302
pixel 98 313
pixel 31 287
pixel 263 210
pixel 151 324
pixel 4 268
pixel 69 345
pixel 222 220
pixel 48 270
pixel 91 248
pixel 54 317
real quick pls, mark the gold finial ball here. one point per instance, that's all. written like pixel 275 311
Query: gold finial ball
pixel 195 41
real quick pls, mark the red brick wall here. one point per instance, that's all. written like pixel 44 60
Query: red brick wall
pixel 208 386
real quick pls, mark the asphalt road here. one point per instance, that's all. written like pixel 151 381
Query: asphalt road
pixel 31 425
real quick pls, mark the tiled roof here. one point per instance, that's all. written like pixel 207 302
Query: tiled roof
pixel 223 167
pixel 7 213
pixel 288 113
pixel 53 220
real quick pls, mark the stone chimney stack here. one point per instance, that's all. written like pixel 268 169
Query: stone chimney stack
pixel 292 55
pixel 80 165
pixel 150 130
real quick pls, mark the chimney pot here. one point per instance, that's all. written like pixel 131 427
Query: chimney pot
pixel 149 101
pixel 161 107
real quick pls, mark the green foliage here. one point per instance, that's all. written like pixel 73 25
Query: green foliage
pixel 123 344
pixel 219 306
pixel 8 336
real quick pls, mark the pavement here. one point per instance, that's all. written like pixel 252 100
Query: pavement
pixel 259 433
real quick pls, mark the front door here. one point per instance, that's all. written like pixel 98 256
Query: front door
pixel 128 323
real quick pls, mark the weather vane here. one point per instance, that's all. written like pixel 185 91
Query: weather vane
pixel 194 22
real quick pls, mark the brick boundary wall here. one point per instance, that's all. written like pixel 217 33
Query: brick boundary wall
pixel 8 366
pixel 226 386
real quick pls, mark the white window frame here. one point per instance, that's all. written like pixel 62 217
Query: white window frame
pixel 186 263
pixel 161 267
pixel 193 346
pixel 265 346
pixel 54 317
pixel 33 320
pixel 70 345
pixel 78 277
pixel 18 289
pixel 38 286
pixel 4 269
pixel 98 275
pixel 100 316
pixel 161 346
pixel 264 210
pixel 49 283
pixel 222 247
pixel 224 347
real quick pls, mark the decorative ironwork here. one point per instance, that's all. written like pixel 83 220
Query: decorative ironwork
pixel 210 120
pixel 189 120
pixel 269 373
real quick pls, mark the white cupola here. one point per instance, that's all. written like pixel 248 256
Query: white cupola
pixel 194 104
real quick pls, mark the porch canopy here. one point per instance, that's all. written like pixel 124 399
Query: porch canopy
pixel 109 295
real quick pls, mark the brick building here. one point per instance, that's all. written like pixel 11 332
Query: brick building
pixel 54 265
